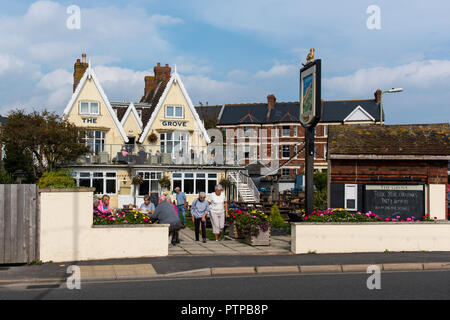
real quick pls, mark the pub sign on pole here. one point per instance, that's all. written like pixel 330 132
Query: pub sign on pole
pixel 310 94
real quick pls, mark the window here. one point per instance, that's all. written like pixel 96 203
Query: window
pixel 351 199
pixel 139 112
pixel 150 183
pixel 103 182
pixel 315 151
pixel 175 141
pixel 194 183
pixel 247 152
pixel 174 112
pixel 325 151
pixel 95 139
pixel 285 173
pixel 247 131
pixel 325 131
pixel 286 151
pixel 295 131
pixel 89 108
pixel 286 131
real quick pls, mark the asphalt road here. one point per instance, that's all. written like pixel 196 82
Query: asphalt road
pixel 394 285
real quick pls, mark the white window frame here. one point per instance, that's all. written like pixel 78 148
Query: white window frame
pixel 89 107
pixel 351 193
pixel 174 116
pixel 325 130
pixel 289 172
pixel 143 173
pixel 102 140
pixel 207 178
pixel 76 175
pixel 282 151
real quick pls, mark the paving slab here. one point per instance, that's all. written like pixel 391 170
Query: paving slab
pixel 235 270
pixel 278 269
pixel 356 267
pixel 320 269
pixel 402 266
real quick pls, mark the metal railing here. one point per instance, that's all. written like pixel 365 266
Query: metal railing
pixel 242 182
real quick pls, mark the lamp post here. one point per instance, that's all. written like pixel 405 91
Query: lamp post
pixel 393 90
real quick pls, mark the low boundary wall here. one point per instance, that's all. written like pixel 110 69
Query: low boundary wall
pixel 310 237
pixel 67 232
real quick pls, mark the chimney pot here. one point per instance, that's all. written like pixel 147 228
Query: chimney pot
pixel 159 64
pixel 84 57
pixel 377 95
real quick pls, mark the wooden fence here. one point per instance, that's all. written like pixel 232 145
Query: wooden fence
pixel 19 223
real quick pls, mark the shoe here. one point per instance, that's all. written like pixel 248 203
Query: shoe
pixel 204 240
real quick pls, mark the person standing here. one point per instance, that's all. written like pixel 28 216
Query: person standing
pixel 199 211
pixel 219 206
pixel 165 214
pixel 181 204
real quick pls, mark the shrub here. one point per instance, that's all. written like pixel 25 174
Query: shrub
pixel 6 178
pixel 275 218
pixel 57 179
pixel 320 199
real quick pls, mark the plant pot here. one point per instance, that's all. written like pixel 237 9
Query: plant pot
pixel 262 239
pixel 233 231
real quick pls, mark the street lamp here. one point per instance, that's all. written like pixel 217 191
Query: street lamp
pixel 393 90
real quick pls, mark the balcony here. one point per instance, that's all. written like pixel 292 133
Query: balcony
pixel 150 155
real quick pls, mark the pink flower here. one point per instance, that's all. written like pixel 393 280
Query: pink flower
pixel 125 221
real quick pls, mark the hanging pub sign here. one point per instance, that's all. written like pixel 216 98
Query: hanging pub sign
pixel 310 98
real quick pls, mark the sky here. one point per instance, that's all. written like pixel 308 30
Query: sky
pixel 233 51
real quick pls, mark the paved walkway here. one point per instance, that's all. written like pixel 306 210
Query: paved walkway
pixel 229 246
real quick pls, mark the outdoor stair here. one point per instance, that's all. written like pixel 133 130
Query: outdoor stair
pixel 247 191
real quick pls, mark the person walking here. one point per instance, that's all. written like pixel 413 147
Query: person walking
pixel 219 206
pixel 181 204
pixel 165 214
pixel 199 211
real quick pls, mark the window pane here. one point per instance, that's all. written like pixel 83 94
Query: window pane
pixel 85 174
pixel 84 107
pixel 189 186
pixel 188 175
pixel 200 185
pixel 179 112
pixel 110 186
pixel 144 188
pixel 94 107
pixel 200 175
pixel 212 185
pixel 154 185
pixel 177 183
pixel 169 111
pixel 212 175
pixel 85 183
pixel 98 185
pixel 176 175
pixel 98 174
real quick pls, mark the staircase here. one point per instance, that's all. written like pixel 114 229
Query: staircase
pixel 246 189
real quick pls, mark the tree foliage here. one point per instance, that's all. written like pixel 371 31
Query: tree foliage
pixel 48 139
pixel 57 179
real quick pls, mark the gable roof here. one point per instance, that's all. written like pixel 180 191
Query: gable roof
pixel 91 75
pixel 131 110
pixel 393 140
pixel 154 110
pixel 359 111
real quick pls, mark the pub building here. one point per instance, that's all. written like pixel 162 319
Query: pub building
pixel 391 170
pixel 162 135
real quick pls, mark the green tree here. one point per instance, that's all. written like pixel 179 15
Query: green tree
pixel 320 180
pixel 48 139
pixel 16 158
pixel 275 217
pixel 57 179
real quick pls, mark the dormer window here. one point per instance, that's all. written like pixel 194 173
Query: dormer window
pixel 174 112
pixel 89 108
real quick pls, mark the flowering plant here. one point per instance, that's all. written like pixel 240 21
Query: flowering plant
pixel 342 215
pixel 122 217
pixel 152 137
pixel 164 182
pixel 251 223
pixel 137 180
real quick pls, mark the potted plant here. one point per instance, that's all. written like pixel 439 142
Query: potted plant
pixel 233 216
pixel 255 226
pixel 164 182
pixel 153 138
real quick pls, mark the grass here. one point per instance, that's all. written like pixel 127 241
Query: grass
pixel 190 225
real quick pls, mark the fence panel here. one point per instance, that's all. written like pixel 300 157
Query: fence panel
pixel 18 223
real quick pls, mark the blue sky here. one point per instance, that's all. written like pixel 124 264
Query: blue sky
pixel 231 51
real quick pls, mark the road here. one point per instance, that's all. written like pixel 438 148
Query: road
pixel 394 285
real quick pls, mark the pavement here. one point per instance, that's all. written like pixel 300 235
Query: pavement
pixel 229 246
pixel 211 266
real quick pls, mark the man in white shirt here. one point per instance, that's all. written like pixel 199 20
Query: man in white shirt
pixel 218 207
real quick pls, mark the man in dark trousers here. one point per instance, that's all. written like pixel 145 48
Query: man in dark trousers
pixel 165 214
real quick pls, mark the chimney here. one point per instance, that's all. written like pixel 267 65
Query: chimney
pixel 378 96
pixel 150 84
pixel 79 69
pixel 162 73
pixel 270 105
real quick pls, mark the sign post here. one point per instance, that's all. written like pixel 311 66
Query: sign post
pixel 310 114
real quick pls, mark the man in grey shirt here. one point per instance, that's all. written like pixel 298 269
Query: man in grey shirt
pixel 165 214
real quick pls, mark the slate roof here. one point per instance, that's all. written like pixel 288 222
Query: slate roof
pixel 288 112
pixel 208 112
pixel 419 140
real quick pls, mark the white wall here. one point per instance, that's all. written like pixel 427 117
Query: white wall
pixel 67 233
pixel 369 237
pixel 437 196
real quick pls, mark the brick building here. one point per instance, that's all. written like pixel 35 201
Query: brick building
pixel 263 132
pixel 390 170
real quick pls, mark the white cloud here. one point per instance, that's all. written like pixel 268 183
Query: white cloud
pixel 278 70
pixel 419 75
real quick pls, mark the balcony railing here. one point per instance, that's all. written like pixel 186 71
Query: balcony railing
pixel 151 155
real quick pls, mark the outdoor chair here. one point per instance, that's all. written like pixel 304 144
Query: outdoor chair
pixel 141 157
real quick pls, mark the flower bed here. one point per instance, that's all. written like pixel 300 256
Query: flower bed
pixel 122 217
pixel 342 215
pixel 248 224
